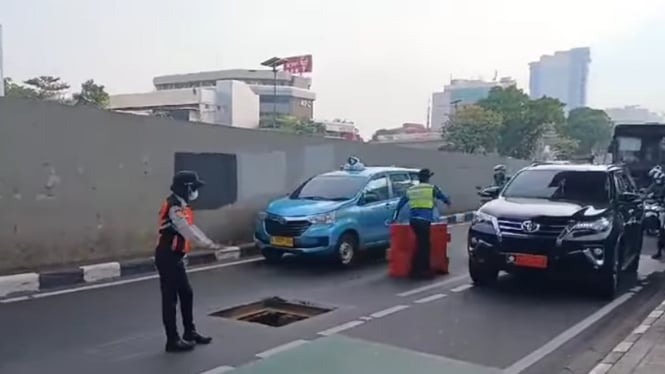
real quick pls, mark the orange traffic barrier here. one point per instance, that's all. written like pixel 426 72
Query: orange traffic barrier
pixel 403 248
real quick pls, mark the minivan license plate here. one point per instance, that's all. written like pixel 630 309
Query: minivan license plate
pixel 281 241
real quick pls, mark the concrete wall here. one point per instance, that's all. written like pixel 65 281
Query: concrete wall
pixel 80 184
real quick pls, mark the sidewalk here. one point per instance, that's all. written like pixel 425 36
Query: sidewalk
pixel 642 352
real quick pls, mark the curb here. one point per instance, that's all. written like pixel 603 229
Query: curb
pixel 621 349
pixel 25 283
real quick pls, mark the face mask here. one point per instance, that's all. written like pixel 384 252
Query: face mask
pixel 193 195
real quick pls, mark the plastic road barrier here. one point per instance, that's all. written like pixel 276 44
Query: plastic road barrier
pixel 403 248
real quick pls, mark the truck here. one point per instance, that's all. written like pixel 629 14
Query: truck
pixel 639 147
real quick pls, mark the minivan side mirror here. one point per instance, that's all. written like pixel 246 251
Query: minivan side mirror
pixel 629 197
pixel 368 198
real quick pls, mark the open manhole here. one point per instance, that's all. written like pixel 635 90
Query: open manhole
pixel 274 311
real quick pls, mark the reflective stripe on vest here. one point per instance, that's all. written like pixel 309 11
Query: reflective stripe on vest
pixel 421 196
pixel 178 243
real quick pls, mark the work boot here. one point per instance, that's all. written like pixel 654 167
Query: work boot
pixel 179 346
pixel 196 338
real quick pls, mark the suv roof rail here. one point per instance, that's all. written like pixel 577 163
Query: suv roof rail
pixel 536 163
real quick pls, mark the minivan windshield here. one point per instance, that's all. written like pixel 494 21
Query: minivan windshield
pixel 330 187
pixel 578 186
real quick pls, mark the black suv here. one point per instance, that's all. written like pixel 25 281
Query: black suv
pixel 584 220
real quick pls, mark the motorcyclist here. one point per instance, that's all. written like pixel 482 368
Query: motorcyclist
pixel 500 177
pixel 657 191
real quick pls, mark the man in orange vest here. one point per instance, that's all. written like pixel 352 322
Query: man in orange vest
pixel 176 232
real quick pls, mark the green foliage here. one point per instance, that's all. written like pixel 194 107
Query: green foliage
pixel 92 94
pixel 47 87
pixel 472 129
pixel 523 120
pixel 591 128
pixel 293 124
pixel 565 148
pixel 13 89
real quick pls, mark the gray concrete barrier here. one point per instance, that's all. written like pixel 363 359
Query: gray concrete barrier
pixel 80 185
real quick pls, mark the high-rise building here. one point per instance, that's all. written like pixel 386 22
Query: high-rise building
pixel 460 92
pixel 563 76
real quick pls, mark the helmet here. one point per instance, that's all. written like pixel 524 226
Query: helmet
pixel 499 168
pixel 185 183
pixel 424 173
pixel 653 173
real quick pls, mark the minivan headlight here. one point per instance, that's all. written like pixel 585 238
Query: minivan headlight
pixel 322 219
pixel 600 225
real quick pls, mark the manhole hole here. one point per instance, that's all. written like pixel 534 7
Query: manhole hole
pixel 275 312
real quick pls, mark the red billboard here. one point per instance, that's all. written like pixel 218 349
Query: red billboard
pixel 298 64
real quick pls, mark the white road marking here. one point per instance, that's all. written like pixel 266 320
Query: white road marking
pixel 601 369
pixel 430 298
pixel 219 370
pixel 461 288
pixel 565 336
pixel 636 289
pixel 340 328
pixel 388 311
pixel 433 285
pixel 281 348
pixel 623 347
pixel 656 314
pixel 641 329
pixel 365 318
pixel 99 272
pixel 120 282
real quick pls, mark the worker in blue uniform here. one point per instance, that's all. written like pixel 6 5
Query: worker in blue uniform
pixel 422 201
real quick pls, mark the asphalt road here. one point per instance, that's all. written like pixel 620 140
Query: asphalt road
pixel 521 326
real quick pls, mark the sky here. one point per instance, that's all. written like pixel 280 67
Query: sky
pixel 375 62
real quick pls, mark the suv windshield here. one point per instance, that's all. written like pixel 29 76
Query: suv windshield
pixel 579 186
pixel 330 187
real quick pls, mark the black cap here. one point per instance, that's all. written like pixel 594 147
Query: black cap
pixel 184 179
pixel 425 173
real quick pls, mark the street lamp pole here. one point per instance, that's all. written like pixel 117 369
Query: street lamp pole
pixel 274 63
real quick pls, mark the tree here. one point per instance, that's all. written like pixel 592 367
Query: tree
pixel 523 120
pixel 47 87
pixel 565 148
pixel 92 94
pixel 591 128
pixel 293 124
pixel 13 89
pixel 473 128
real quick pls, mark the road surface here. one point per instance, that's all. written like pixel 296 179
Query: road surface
pixel 378 323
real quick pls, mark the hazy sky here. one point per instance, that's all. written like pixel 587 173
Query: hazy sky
pixel 375 62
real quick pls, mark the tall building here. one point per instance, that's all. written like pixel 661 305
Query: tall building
pixel 294 96
pixel 460 92
pixel 563 76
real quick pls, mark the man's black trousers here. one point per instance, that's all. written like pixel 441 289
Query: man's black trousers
pixel 174 284
pixel 421 260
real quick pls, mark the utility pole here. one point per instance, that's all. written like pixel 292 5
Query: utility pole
pixel 274 63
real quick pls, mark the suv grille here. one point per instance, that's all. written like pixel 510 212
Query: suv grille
pixel 289 228
pixel 549 227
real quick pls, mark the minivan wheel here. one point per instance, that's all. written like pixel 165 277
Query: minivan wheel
pixel 609 279
pixel 482 274
pixel 272 256
pixel 346 251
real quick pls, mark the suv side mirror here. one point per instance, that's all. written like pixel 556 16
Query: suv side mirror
pixel 368 198
pixel 629 197
pixel 492 192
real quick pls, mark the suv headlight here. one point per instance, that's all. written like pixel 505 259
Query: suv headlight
pixel 597 226
pixel 481 217
pixel 322 219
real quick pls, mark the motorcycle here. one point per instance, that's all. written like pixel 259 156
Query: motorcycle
pixel 654 215
pixel 488 193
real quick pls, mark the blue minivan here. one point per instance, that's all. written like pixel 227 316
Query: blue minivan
pixel 334 214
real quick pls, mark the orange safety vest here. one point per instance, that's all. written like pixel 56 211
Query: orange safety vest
pixel 168 236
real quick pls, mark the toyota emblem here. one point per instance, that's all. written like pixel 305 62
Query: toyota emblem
pixel 530 226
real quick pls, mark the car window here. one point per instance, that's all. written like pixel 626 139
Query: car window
pixel 330 187
pixel 628 182
pixel 578 186
pixel 620 184
pixel 379 186
pixel 400 182
pixel 414 178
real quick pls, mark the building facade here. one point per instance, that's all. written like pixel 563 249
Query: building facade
pixel 293 94
pixel 460 92
pixel 633 114
pixel 563 75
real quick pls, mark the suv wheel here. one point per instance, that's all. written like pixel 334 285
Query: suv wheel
pixel 346 251
pixel 482 274
pixel 272 256
pixel 610 277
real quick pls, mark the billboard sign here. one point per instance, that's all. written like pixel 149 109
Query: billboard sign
pixel 298 64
